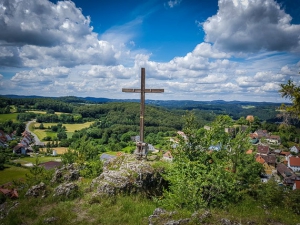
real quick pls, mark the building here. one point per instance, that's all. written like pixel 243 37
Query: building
pixel 167 156
pixel 263 149
pixel 273 139
pixel 294 163
pixel 295 149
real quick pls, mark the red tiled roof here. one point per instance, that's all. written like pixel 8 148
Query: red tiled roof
pixel 285 153
pixel 262 149
pixel 249 152
pixel 294 161
pixel 260 159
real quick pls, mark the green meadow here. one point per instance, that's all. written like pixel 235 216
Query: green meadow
pixel 10 116
pixel 11 173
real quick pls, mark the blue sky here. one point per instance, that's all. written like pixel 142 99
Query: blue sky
pixel 194 49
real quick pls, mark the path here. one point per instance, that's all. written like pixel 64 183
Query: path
pixel 36 139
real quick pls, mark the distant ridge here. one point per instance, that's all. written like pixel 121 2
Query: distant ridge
pixel 165 103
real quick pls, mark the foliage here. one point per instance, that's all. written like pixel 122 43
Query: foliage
pixel 292 92
pixel 200 178
pixel 92 169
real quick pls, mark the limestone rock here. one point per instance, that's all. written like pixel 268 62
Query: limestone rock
pixel 126 174
pixel 66 190
pixel 65 174
pixel 36 190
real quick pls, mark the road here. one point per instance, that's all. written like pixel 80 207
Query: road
pixel 36 139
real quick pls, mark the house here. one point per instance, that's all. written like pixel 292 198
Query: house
pixel 277 151
pixel 9 137
pixel 273 139
pixel 294 163
pixel 260 159
pixel 263 149
pixel 167 156
pixel 295 149
pixel 287 174
pixel 285 154
pixel 296 185
pixel 270 159
pixel 261 133
pixel 19 149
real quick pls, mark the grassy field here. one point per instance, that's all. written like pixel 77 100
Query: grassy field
pixel 41 159
pixel 11 116
pixel 45 132
pixel 12 173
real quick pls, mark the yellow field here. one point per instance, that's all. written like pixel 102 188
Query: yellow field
pixel 70 129
pixel 43 112
pixel 59 150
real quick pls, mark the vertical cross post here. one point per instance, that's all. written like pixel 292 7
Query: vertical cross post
pixel 141 146
pixel 142 106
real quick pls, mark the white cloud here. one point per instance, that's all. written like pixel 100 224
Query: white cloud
pixel 173 3
pixel 38 33
pixel 252 26
pixel 40 76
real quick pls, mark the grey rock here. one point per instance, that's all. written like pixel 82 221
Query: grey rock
pixel 50 220
pixel 126 174
pixel 66 173
pixel 66 189
pixel 200 217
pixel 225 221
pixel 36 190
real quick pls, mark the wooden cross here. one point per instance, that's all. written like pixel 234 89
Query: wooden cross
pixel 143 90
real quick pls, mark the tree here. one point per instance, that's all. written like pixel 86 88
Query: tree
pixel 62 135
pixel 200 178
pixel 292 92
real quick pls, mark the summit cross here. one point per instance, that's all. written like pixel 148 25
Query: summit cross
pixel 143 90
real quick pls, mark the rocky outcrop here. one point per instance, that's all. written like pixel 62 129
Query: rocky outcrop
pixel 66 173
pixel 128 175
pixel 37 190
pixel 66 190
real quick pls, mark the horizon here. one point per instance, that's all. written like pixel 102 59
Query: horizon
pixel 197 50
pixel 136 99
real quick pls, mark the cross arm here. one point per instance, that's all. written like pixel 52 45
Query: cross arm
pixel 139 90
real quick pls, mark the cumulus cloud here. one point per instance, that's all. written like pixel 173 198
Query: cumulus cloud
pixel 38 33
pixel 251 26
pixel 40 76
pixel 42 23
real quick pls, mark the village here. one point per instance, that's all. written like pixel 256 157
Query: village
pixel 281 165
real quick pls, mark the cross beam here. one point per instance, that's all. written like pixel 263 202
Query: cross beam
pixel 143 90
